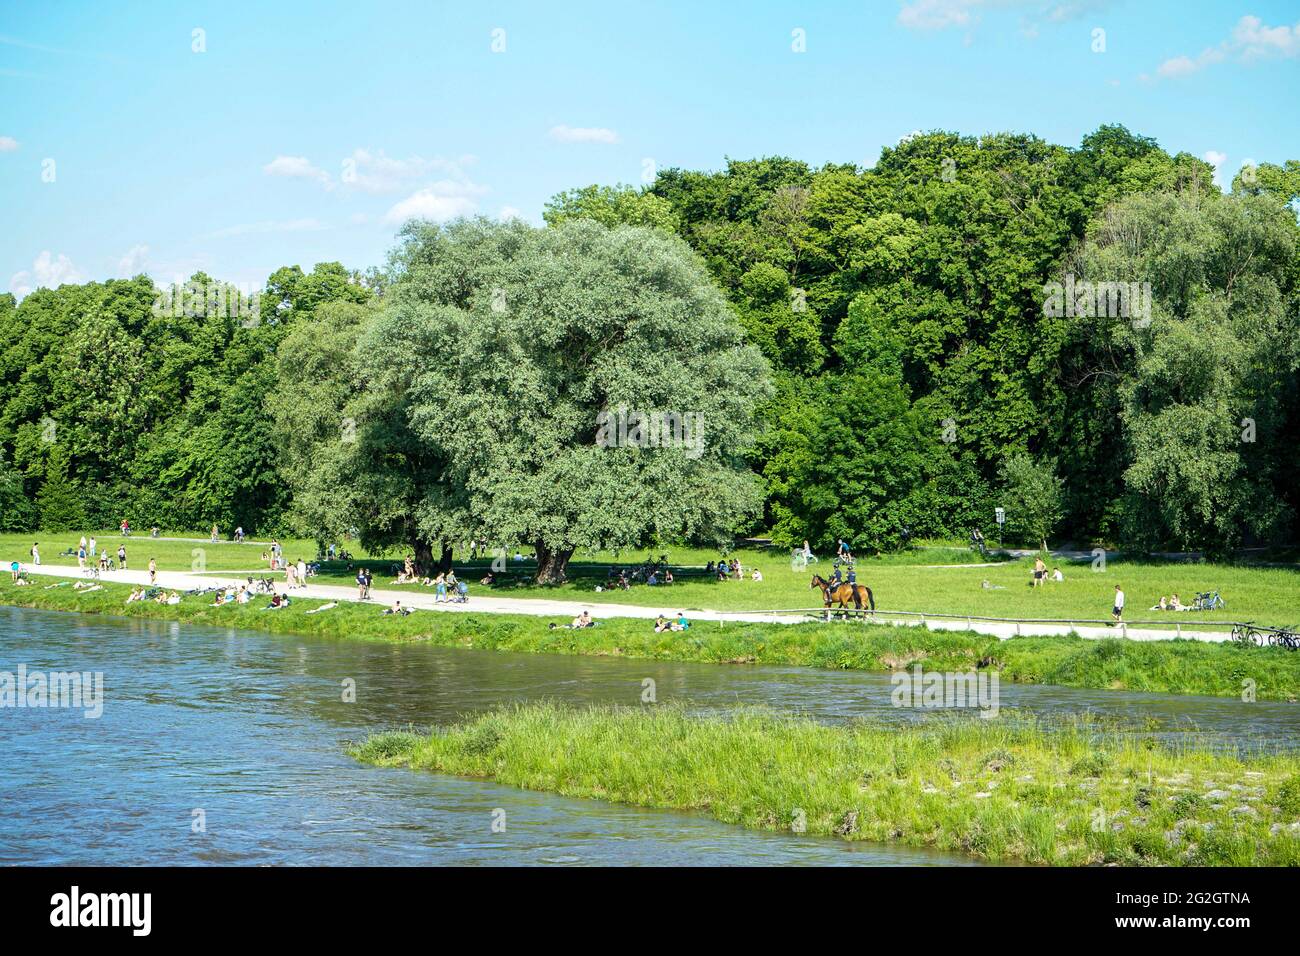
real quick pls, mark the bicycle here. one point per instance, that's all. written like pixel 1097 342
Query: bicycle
pixel 1247 634
pixel 1208 601
pixel 1286 637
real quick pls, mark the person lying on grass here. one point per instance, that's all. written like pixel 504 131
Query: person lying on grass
pixel 323 607
pixel 397 609
pixel 579 622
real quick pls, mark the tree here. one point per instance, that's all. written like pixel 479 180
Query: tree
pixel 16 510
pixel 574 387
pixel 611 206
pixel 59 499
pixel 1033 495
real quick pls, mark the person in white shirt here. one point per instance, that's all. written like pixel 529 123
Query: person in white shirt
pixel 1118 610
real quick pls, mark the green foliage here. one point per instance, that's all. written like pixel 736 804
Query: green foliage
pixel 1033 496
pixel 120 400
pixel 611 206
pixel 17 512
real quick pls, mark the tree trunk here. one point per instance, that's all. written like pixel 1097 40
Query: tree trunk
pixel 444 562
pixel 423 557
pixel 551 564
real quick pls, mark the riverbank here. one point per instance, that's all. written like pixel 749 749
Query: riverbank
pixel 997 789
pixel 1174 667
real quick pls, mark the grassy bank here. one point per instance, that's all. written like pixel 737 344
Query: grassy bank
pixel 1177 667
pixel 991 788
pixel 929 580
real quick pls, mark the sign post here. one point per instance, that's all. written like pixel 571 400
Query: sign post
pixel 1001 515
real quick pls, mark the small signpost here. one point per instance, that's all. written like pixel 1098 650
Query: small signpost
pixel 1001 515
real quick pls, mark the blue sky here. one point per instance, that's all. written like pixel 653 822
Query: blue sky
pixel 305 132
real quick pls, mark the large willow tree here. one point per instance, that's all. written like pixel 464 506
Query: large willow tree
pixel 496 394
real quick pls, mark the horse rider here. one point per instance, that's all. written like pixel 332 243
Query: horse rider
pixel 837 578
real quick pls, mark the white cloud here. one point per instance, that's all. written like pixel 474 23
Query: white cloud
pixel 133 263
pixel 966 14
pixel 8 144
pixel 431 203
pixel 296 167
pixel 47 272
pixel 509 212
pixel 376 172
pixel 249 228
pixel 1250 41
pixel 1217 160
pixel 583 134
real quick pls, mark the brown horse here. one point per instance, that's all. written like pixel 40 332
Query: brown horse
pixel 842 594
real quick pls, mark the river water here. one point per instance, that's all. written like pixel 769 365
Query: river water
pixel 225 746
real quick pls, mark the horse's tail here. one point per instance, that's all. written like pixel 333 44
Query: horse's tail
pixel 871 600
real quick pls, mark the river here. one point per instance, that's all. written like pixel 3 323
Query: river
pixel 220 746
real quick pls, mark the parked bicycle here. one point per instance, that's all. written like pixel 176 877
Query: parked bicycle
pixel 1249 634
pixel 1208 601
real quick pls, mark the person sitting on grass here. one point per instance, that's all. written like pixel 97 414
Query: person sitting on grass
pixel 1175 604
pixel 397 609
pixel 668 576
pixel 278 601
pixel 1057 575
pixel 1162 606
pixel 134 595
pixel 757 575
pixel 681 624
pixel 489 579
pixel 579 622
pixel 661 624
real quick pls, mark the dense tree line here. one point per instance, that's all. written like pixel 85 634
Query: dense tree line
pixel 1096 338
pixel 905 310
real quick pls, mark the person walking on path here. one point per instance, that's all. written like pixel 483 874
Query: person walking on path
pixel 302 573
pixel 36 552
pixel 153 571
pixel 1118 610
pixel 121 557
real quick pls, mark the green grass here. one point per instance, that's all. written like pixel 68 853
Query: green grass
pixel 170 555
pixel 1177 667
pixel 997 789
pixel 904 582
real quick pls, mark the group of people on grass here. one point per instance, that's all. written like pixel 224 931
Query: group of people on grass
pixel 665 624
pixel 156 595
pixel 1041 575
pixel 731 570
